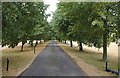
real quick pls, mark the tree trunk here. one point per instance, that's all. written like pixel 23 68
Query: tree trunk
pixel 65 41
pixel 105 34
pixel 104 46
pixel 80 46
pixel 71 43
pixel 22 47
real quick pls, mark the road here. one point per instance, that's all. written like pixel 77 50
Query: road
pixel 53 61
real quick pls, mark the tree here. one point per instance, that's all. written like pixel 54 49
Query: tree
pixel 107 15
pixel 93 24
pixel 22 21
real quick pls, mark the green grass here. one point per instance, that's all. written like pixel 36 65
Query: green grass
pixel 92 58
pixel 95 60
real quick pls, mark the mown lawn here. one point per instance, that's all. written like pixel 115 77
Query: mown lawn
pixel 19 60
pixel 92 58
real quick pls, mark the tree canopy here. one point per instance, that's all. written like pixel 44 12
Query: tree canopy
pixel 90 23
pixel 23 21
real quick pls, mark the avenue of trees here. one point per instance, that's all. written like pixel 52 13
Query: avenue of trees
pixel 22 21
pixel 89 23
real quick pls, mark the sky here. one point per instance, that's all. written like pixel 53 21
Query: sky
pixel 52 7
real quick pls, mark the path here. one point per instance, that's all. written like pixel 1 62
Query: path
pixel 53 62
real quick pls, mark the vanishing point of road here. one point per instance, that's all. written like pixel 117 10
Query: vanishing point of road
pixel 53 61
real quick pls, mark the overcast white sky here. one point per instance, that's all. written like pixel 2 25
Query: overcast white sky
pixel 52 7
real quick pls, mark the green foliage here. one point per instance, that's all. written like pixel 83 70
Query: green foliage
pixel 76 19
pixel 23 21
pixel 94 24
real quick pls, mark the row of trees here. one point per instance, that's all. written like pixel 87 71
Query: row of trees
pixel 22 21
pixel 90 23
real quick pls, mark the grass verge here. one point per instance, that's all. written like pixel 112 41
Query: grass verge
pixel 19 61
pixel 90 62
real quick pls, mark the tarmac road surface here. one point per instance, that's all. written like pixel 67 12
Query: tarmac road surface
pixel 53 61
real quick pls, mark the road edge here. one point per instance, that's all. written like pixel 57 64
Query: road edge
pixel 20 73
pixel 89 73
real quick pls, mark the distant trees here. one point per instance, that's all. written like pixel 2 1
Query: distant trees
pixel 22 21
pixel 93 24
